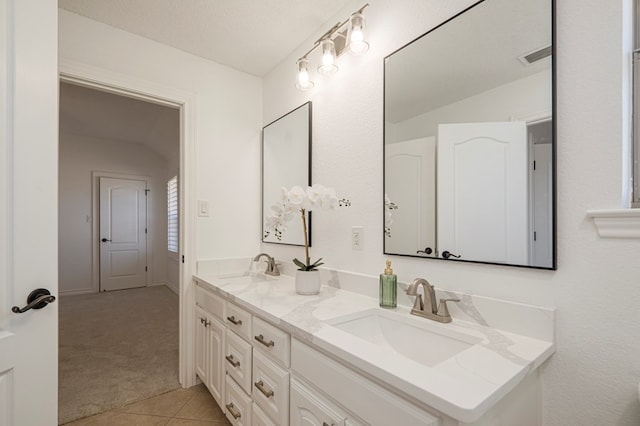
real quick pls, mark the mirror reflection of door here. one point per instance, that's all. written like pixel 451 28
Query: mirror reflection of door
pixel 541 233
pixel 410 184
pixel 483 191
pixel 123 233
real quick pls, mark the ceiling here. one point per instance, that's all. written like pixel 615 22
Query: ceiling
pixel 470 54
pixel 94 113
pixel 252 36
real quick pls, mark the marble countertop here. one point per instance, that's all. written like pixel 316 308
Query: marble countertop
pixel 464 386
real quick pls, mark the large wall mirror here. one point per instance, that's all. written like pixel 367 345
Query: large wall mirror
pixel 286 161
pixel 469 140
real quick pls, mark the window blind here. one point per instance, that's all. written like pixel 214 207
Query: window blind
pixel 172 214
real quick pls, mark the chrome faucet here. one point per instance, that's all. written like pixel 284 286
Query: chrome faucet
pixel 427 308
pixel 272 266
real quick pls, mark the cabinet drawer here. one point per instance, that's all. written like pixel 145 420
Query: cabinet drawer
pixel 237 405
pixel 270 388
pixel 371 402
pixel 272 341
pixel 211 303
pixel 237 354
pixel 238 320
pixel 259 418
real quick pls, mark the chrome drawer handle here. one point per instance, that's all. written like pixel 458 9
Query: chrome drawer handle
pixel 232 409
pixel 232 319
pixel 261 388
pixel 260 338
pixel 326 424
pixel 231 361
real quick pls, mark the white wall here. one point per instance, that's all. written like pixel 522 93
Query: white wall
pixel 516 100
pixel 79 156
pixel 228 121
pixel 593 377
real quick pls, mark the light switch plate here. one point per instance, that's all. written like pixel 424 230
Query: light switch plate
pixel 203 208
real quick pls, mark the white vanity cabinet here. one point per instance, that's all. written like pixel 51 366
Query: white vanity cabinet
pixel 210 336
pixel 368 400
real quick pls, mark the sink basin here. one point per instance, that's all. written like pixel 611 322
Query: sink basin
pixel 421 342
pixel 242 277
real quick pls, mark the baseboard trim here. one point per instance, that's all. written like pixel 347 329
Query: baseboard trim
pixel 76 292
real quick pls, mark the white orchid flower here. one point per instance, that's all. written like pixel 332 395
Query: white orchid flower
pixel 314 195
pixel 298 197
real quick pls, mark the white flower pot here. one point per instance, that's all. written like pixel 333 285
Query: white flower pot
pixel 308 282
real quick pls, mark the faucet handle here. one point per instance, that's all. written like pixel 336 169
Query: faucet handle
pixel 443 311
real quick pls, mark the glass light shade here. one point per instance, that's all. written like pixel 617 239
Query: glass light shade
pixel 355 39
pixel 303 82
pixel 328 65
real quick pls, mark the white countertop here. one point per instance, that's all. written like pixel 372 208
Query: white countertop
pixel 463 387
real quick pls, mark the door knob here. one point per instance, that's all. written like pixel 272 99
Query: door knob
pixel 104 240
pixel 427 250
pixel 37 299
pixel 447 254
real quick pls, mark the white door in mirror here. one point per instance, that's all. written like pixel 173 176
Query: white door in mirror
pixel 483 191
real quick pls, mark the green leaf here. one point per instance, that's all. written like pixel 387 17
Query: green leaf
pixel 301 265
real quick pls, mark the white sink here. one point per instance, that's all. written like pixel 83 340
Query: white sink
pixel 411 337
pixel 245 277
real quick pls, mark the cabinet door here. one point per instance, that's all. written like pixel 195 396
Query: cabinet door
pixel 310 409
pixel 215 366
pixel 201 345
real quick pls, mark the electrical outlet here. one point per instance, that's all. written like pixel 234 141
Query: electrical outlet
pixel 357 237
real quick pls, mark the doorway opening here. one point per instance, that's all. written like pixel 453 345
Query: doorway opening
pixel 116 155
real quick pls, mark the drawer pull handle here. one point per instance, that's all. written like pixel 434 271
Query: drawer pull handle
pixel 260 338
pixel 327 424
pixel 232 409
pixel 261 388
pixel 234 321
pixel 231 361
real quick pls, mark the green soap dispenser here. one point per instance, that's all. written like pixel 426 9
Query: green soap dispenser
pixel 388 288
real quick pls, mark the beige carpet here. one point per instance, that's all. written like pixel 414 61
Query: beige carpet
pixel 116 348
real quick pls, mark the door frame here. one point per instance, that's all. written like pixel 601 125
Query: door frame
pixel 95 224
pixel 107 80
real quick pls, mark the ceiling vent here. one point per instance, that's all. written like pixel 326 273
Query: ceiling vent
pixel 535 56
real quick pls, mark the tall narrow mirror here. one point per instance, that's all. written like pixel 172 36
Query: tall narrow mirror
pixel 469 138
pixel 286 161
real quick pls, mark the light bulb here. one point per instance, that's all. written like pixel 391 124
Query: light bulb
pixel 303 82
pixel 328 58
pixel 356 43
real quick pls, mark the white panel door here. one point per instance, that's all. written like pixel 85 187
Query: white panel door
pixel 542 253
pixel 410 183
pixel 123 239
pixel 483 191
pixel 28 211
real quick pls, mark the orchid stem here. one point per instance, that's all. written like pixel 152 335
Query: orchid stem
pixel 306 241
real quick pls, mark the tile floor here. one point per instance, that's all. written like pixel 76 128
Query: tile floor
pixel 182 407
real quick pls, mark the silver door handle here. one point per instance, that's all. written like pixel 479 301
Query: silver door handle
pixel 104 240
pixel 37 299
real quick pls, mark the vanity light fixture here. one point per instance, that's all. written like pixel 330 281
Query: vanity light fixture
pixel 333 43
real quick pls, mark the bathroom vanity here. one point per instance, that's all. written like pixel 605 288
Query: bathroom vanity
pixel 272 357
